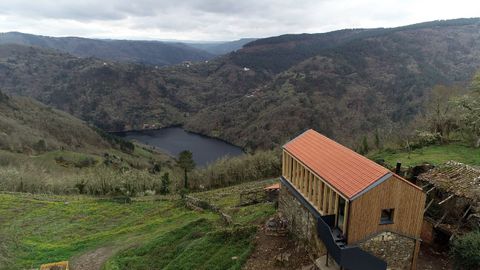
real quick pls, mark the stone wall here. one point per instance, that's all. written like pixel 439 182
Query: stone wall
pixel 395 249
pixel 301 223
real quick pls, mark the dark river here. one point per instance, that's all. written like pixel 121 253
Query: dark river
pixel 174 140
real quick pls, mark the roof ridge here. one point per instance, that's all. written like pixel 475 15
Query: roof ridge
pixel 347 171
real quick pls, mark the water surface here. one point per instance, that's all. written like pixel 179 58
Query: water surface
pixel 174 140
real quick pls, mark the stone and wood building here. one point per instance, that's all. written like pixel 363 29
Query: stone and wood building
pixel 352 212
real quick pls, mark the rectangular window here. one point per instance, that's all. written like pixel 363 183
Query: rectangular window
pixel 387 216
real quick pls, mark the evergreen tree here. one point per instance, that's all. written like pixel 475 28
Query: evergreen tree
pixel 377 140
pixel 165 184
pixel 364 147
pixel 185 161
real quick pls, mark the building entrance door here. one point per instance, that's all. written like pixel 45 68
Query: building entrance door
pixel 341 213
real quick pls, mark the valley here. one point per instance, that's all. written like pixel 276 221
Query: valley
pixel 118 154
pixel 340 83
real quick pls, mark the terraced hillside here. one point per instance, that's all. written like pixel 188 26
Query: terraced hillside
pixel 150 233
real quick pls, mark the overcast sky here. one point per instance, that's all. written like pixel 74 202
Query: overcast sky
pixel 218 19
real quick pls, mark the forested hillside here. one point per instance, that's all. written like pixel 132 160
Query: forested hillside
pixel 375 81
pixel 345 84
pixel 146 52
pixel 27 126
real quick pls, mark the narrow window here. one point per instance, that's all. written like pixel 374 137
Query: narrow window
pixel 387 216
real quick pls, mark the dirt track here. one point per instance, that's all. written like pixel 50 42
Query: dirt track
pixel 92 260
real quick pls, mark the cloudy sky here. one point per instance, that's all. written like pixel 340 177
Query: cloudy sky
pixel 217 19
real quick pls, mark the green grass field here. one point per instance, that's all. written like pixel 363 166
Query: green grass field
pixel 435 154
pixel 36 229
pixel 203 244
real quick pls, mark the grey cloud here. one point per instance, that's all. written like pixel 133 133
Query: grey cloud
pixel 216 19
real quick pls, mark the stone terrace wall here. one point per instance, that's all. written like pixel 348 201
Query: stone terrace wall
pixel 301 223
pixel 395 249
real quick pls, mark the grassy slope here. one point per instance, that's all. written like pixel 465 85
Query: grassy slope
pixel 202 245
pixel 49 230
pixel 435 154
pixel 39 229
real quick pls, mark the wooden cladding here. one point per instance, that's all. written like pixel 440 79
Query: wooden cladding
pixel 320 194
pixel 366 211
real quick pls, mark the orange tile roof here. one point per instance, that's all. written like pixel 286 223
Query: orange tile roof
pixel 272 187
pixel 345 170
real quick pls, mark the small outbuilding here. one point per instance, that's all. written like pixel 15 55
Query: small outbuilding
pixel 354 213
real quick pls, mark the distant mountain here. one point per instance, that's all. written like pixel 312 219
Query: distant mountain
pixel 219 48
pixel 145 52
pixel 344 84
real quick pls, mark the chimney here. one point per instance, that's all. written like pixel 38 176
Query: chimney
pixel 397 169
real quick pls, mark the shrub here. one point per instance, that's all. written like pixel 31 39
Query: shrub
pixel 85 162
pixel 98 180
pixel 466 251
pixel 3 97
pixel 228 171
pixel 127 147
pixel 425 138
pixel 40 146
pixel 60 160
pixel 165 184
pixel 80 186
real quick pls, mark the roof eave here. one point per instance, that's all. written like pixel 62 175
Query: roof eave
pixel 371 186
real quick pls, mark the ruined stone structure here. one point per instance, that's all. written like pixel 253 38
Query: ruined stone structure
pixel 453 202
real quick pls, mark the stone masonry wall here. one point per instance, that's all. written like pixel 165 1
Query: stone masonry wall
pixel 301 223
pixel 395 249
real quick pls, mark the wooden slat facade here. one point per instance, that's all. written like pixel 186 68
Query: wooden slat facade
pixel 316 190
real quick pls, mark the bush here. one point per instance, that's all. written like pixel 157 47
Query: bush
pixel 466 251
pixel 165 184
pixel 127 147
pixel 60 160
pixel 229 171
pixel 425 138
pixel 40 146
pixel 99 180
pixel 86 162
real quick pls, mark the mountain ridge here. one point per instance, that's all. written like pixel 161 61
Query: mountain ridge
pixel 345 84
pixel 144 52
